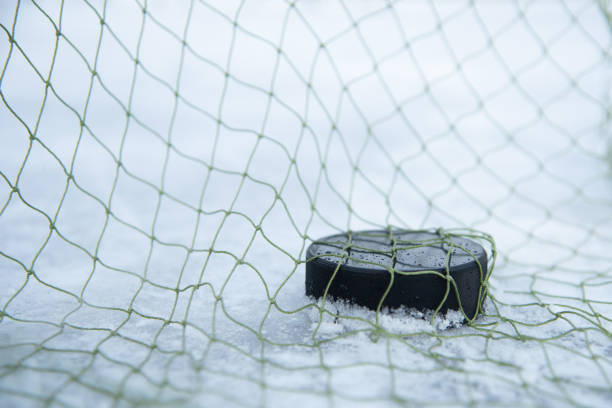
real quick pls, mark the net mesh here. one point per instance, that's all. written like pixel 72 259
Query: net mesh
pixel 164 166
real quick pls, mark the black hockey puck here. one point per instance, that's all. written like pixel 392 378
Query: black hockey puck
pixel 400 268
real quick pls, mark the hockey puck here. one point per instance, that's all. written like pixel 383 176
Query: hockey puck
pixel 395 268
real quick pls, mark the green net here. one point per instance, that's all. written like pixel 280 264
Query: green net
pixel 165 165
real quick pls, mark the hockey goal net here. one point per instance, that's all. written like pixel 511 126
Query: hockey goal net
pixel 164 166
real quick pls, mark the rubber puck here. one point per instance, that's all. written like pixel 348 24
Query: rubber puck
pixel 358 267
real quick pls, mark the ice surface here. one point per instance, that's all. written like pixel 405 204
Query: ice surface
pixel 154 216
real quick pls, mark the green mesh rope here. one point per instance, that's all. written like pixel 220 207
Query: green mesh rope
pixel 165 165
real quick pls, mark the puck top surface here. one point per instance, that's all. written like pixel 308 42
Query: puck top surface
pixel 406 251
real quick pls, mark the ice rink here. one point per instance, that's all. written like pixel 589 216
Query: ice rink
pixel 165 164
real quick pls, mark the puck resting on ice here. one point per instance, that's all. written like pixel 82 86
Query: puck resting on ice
pixel 360 266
